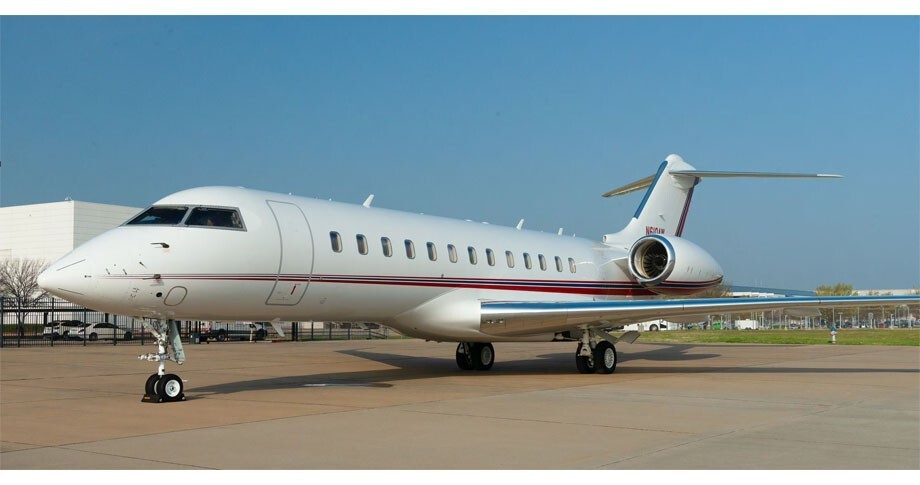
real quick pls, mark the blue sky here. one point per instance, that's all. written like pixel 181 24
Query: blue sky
pixel 494 119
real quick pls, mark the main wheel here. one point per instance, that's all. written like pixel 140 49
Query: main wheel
pixel 464 361
pixel 93 336
pixel 260 334
pixel 605 358
pixel 585 364
pixel 128 336
pixel 221 336
pixel 169 388
pixel 483 356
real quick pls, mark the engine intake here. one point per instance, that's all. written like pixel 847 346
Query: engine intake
pixel 651 260
pixel 671 265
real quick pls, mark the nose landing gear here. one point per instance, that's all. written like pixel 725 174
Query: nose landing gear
pixel 163 387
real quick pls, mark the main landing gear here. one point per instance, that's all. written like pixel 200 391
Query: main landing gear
pixel 596 352
pixel 163 387
pixel 475 356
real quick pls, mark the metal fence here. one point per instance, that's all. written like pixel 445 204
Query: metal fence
pixel 56 322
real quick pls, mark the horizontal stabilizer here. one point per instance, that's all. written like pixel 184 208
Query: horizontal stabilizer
pixel 647 181
pixel 630 188
pixel 710 173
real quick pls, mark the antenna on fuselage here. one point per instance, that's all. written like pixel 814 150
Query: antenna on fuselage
pixel 368 200
pixel 520 224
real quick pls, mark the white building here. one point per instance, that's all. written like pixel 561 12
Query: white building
pixel 898 292
pixel 49 231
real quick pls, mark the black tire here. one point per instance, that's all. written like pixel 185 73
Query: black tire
pixel 128 336
pixel 169 388
pixel 260 334
pixel 150 388
pixel 605 358
pixel 222 336
pixel 55 336
pixel 483 356
pixel 93 336
pixel 585 365
pixel 653 328
pixel 463 359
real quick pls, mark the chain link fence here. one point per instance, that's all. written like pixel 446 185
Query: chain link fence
pixel 51 321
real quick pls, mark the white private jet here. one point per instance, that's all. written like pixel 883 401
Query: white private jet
pixel 222 253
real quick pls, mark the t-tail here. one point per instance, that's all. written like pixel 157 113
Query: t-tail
pixel 666 203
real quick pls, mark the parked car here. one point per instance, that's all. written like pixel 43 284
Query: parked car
pixel 56 329
pixel 237 331
pixel 102 330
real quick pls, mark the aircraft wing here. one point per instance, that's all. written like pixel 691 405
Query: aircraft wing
pixel 508 318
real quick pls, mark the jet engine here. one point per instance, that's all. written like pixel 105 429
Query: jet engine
pixel 670 265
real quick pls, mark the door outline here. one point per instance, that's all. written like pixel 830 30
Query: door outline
pixel 281 243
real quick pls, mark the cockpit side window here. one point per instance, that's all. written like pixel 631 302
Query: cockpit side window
pixel 160 216
pixel 214 217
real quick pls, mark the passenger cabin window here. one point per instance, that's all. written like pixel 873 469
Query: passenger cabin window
pixel 571 265
pixel 473 258
pixel 558 264
pixel 362 243
pixel 510 258
pixel 452 253
pixel 387 246
pixel 410 249
pixel 432 252
pixel 336 240
pixel 490 257
pixel 542 262
pixel 213 217
pixel 160 216
pixel 527 263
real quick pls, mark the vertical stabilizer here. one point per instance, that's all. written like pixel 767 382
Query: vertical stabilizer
pixel 664 207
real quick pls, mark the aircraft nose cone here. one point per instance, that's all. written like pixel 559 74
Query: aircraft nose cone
pixel 67 279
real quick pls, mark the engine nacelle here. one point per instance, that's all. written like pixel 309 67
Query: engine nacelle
pixel 670 265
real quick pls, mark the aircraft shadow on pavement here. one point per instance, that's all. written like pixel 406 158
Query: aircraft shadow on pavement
pixel 407 368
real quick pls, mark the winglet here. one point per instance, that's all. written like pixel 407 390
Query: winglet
pixel 367 202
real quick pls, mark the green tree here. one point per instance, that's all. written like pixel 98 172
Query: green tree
pixel 838 289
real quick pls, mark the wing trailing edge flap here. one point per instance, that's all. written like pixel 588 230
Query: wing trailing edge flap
pixel 529 318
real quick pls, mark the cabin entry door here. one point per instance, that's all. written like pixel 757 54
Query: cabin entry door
pixel 296 265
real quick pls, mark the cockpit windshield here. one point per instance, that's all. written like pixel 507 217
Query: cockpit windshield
pixel 163 216
pixel 217 217
pixel 213 217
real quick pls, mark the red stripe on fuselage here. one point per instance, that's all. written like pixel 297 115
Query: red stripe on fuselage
pixel 564 286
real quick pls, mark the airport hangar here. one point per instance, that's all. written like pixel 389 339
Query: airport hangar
pixel 51 230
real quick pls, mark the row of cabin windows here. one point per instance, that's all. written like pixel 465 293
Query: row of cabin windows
pixel 387 246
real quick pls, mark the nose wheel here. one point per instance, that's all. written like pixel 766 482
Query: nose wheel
pixel 165 388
